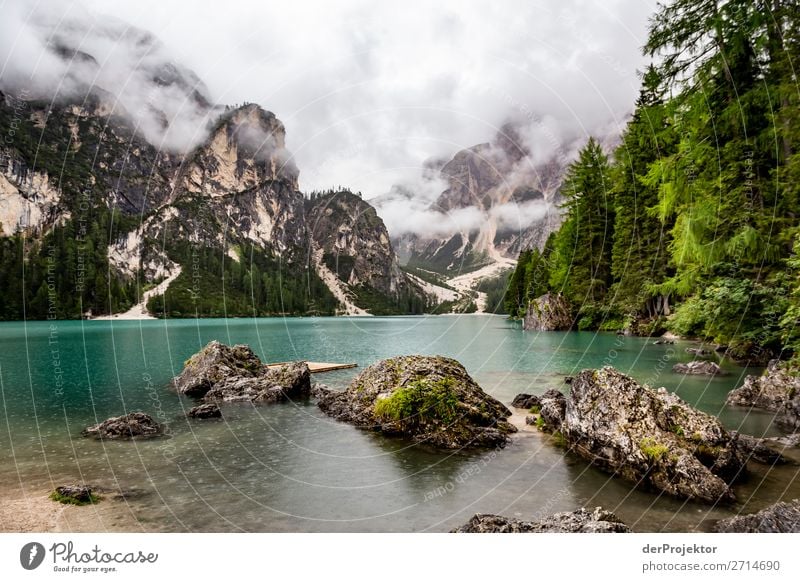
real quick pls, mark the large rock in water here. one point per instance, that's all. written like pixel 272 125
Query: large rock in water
pixel 580 521
pixel 235 374
pixel 649 437
pixel 777 390
pixel 214 363
pixel 130 426
pixel 778 518
pixel 430 399
pixel 550 312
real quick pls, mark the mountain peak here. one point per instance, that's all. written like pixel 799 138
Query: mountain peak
pixel 245 149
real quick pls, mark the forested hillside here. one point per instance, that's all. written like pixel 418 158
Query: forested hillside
pixel 691 225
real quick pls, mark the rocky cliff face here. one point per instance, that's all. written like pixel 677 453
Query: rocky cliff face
pixel 516 197
pixel 228 208
pixel 354 244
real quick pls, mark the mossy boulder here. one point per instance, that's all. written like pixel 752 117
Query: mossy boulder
pixel 431 399
pixel 649 437
pixel 74 495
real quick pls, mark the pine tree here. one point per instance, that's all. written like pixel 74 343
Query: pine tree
pixel 581 266
pixel 639 259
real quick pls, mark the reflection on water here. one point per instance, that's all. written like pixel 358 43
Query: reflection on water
pixel 289 468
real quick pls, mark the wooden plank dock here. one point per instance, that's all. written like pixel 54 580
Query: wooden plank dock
pixel 316 367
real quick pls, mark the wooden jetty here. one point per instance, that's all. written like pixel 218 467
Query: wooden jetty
pixel 316 367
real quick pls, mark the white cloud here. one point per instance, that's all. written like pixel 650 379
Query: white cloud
pixel 396 83
pixel 368 91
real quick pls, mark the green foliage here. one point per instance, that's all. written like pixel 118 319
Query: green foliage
pixel 69 500
pixel 213 285
pixel 701 199
pixel 495 289
pixel 652 449
pixel 580 266
pixel 559 439
pixel 420 402
pixel 377 303
pixel 529 279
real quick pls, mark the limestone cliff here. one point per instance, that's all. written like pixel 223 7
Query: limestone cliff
pixel 226 217
pixel 516 197
pixel 352 242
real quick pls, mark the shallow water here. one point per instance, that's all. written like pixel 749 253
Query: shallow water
pixel 288 467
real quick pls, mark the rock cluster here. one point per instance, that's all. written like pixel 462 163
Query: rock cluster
pixel 781 517
pixel 777 390
pixel 131 426
pixel 649 437
pixel 235 374
pixel 430 399
pixel 580 521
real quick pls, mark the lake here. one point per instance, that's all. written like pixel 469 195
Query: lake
pixel 288 467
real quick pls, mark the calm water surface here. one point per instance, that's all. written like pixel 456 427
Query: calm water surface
pixel 288 467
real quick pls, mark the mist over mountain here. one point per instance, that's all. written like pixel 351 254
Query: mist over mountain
pixel 66 53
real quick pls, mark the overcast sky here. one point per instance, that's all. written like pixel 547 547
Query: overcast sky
pixel 369 91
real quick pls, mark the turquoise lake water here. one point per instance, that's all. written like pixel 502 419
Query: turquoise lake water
pixel 288 467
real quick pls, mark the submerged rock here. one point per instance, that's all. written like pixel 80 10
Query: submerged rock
pixel 526 401
pixel 649 437
pixel 209 410
pixel 698 352
pixel 550 312
pixel 777 390
pixel 757 449
pixel 699 367
pixel 430 399
pixel 130 426
pixel 778 518
pixel 236 374
pixel 580 521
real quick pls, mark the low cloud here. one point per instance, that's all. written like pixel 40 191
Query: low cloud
pixel 64 52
